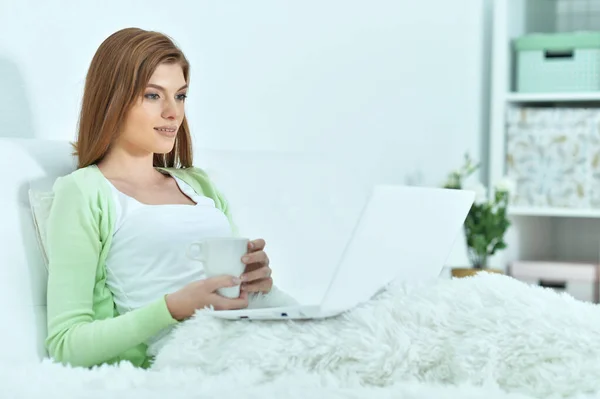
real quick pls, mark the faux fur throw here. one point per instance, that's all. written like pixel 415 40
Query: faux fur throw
pixel 487 329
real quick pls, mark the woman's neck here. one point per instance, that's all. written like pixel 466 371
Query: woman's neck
pixel 125 165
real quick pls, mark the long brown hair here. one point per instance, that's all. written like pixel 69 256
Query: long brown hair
pixel 117 76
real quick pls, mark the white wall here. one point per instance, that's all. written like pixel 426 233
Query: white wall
pixel 395 85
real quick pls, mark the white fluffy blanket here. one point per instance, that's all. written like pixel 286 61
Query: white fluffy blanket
pixel 486 337
pixel 490 329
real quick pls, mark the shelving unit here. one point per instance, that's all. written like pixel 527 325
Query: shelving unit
pixel 555 212
pixel 518 98
pixel 538 233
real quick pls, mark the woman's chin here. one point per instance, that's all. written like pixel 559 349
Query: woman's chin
pixel 164 147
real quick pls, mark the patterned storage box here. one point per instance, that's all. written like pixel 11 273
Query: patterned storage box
pixel 553 155
pixel 558 62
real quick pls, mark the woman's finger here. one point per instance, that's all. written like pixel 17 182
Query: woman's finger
pixel 257 245
pixel 222 303
pixel 256 257
pixel 264 285
pixel 261 273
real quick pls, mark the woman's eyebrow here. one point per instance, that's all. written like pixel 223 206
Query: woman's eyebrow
pixel 163 89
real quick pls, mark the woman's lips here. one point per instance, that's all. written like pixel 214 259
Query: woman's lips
pixel 169 131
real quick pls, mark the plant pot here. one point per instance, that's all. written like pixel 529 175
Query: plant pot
pixel 460 272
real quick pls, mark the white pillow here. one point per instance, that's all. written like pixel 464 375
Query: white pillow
pixel 40 203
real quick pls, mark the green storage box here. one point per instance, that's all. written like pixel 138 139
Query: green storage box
pixel 558 62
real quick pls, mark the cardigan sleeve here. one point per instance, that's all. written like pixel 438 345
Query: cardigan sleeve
pixel 225 208
pixel 74 335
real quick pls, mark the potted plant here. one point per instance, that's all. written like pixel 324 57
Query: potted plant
pixel 487 221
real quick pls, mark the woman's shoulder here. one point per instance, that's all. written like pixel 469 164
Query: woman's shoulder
pixel 201 182
pixel 84 181
pixel 189 171
pixel 192 175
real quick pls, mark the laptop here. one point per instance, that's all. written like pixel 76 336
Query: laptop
pixel 403 233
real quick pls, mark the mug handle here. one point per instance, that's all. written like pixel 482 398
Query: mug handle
pixel 200 257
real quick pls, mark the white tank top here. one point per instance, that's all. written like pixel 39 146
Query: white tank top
pixel 147 258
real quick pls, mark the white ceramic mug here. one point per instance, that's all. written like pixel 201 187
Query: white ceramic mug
pixel 221 256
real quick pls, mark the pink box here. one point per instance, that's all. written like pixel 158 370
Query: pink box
pixel 580 280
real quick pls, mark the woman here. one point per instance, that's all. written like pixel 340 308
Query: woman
pixel 120 224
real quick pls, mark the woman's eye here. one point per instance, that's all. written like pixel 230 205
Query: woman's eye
pixel 181 97
pixel 152 96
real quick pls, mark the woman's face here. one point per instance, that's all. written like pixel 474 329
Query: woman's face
pixel 153 122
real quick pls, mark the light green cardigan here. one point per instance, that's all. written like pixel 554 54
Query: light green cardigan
pixel 84 329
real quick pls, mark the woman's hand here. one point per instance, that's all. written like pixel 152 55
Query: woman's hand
pixel 257 276
pixel 203 293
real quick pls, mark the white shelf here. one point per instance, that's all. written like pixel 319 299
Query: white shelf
pixel 554 212
pixel 552 97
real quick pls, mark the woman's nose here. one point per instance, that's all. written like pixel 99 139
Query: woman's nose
pixel 170 110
